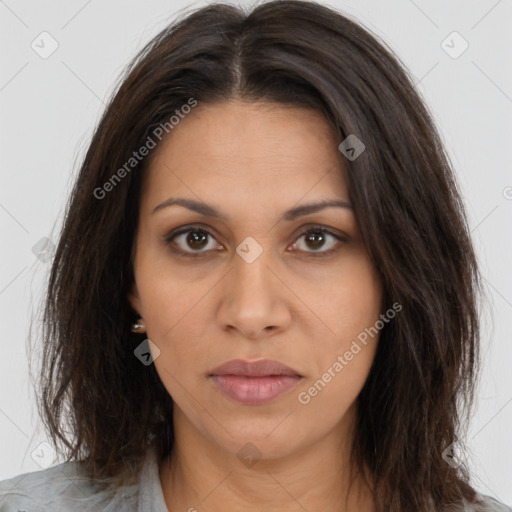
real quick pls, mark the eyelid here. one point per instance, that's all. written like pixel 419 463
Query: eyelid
pixel 186 229
pixel 302 231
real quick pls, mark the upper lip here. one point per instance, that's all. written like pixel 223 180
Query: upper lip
pixel 261 368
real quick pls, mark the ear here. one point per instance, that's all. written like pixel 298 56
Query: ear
pixel 134 299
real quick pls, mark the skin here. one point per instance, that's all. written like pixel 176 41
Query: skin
pixel 252 162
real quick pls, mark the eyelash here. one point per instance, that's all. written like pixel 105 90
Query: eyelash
pixel 315 229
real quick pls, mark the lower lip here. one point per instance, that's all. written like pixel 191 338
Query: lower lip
pixel 254 390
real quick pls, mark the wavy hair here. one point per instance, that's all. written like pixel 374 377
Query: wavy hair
pixel 105 408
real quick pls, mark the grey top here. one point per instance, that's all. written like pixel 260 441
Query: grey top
pixel 62 488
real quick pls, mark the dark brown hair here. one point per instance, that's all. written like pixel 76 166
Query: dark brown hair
pixel 107 408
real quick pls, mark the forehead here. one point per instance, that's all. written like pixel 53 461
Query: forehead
pixel 250 152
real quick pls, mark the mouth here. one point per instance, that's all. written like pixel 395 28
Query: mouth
pixel 254 383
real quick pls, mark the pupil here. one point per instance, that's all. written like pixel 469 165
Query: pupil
pixel 195 238
pixel 316 238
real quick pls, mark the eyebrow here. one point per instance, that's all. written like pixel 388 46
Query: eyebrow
pixel 289 215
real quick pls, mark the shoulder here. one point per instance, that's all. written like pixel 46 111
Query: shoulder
pixel 486 503
pixel 481 503
pixel 62 488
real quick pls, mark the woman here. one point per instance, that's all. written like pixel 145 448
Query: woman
pixel 265 294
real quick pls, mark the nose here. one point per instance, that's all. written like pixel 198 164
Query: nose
pixel 254 299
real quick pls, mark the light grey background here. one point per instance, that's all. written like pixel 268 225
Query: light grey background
pixel 50 106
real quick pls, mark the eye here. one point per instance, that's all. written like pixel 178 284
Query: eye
pixel 193 237
pixel 315 238
pixel 193 241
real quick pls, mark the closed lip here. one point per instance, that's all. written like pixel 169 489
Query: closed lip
pixel 260 368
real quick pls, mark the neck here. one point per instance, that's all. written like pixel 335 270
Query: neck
pixel 201 475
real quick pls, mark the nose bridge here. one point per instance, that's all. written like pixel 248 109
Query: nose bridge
pixel 251 273
pixel 252 300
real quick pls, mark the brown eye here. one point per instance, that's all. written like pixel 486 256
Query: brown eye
pixel 192 241
pixel 316 239
pixel 196 239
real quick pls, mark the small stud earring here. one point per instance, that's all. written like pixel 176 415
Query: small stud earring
pixel 139 326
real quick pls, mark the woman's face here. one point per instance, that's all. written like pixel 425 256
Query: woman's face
pixel 256 287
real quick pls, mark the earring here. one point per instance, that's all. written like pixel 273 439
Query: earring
pixel 139 326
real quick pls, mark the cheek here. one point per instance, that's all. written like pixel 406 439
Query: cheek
pixel 171 326
pixel 348 303
pixel 171 299
pixel 341 370
pixel 333 393
pixel 343 358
